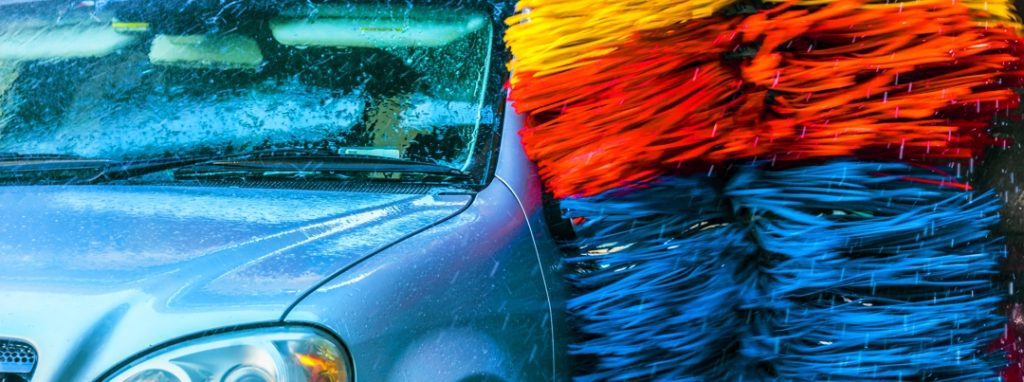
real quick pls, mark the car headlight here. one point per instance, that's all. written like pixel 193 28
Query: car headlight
pixel 287 354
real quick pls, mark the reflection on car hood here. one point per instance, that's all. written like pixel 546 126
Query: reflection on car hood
pixel 153 263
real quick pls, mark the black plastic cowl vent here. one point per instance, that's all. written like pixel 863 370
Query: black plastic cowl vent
pixel 17 361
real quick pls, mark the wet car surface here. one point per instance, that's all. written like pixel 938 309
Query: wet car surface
pixel 176 216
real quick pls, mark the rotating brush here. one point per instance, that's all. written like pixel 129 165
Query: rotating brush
pixel 720 239
pixel 844 271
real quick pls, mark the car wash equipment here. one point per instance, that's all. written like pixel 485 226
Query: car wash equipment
pixel 840 271
pixel 720 238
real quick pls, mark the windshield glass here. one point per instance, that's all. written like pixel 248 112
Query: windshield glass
pixel 123 80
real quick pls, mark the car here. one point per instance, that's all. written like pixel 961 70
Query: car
pixel 269 191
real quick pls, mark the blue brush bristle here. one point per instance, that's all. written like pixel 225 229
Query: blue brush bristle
pixel 838 272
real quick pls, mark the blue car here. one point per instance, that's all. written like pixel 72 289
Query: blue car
pixel 268 191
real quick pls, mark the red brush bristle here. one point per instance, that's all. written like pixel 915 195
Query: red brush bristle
pixel 620 118
pixel 914 80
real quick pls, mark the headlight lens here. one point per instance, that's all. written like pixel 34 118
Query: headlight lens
pixel 289 354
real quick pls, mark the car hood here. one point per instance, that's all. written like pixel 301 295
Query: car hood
pixel 133 266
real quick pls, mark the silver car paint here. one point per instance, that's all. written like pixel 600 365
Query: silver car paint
pixel 475 293
pixel 94 276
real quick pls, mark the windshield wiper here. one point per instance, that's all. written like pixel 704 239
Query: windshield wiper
pixel 15 165
pixel 74 169
pixel 133 168
pixel 277 160
pixel 346 163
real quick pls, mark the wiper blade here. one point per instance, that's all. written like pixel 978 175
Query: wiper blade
pixel 49 166
pixel 45 165
pixel 130 169
pixel 342 163
pixel 273 160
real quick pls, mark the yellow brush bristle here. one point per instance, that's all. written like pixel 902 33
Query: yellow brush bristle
pixel 549 36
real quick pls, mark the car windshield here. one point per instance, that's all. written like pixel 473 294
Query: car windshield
pixel 140 80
